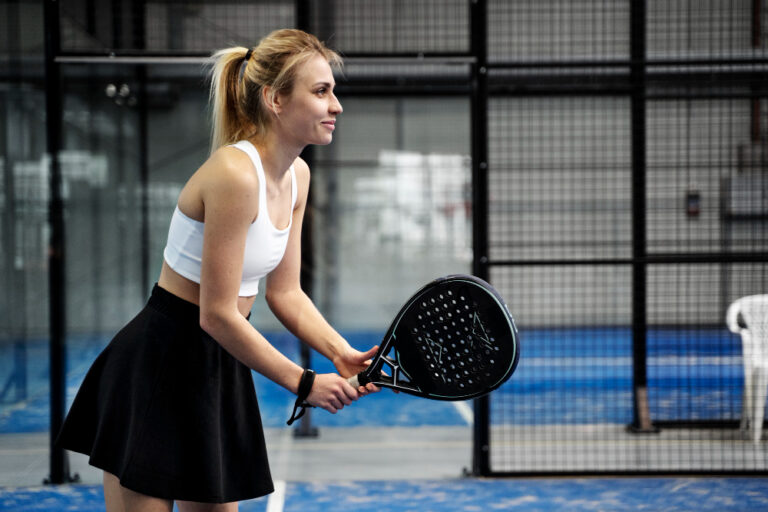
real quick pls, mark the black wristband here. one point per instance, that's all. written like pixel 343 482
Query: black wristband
pixel 305 387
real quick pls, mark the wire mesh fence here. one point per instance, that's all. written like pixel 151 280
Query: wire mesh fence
pixel 608 383
pixel 391 27
pixel 165 27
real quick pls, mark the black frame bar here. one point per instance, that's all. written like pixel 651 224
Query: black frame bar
pixel 59 463
pixel 641 421
pixel 479 130
pixel 305 428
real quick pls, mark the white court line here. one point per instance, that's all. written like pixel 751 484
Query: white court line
pixel 276 500
pixel 465 411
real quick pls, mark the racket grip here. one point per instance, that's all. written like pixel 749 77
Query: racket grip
pixel 361 379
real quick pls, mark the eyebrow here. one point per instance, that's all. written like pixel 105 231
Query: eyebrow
pixel 326 84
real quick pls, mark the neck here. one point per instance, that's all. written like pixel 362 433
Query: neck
pixel 276 154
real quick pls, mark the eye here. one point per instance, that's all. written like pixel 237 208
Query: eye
pixel 321 91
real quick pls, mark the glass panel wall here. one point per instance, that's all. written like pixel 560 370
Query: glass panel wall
pixel 391 205
pixel 24 233
pixel 390 202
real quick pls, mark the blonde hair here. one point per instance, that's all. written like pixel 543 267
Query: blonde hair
pixel 238 108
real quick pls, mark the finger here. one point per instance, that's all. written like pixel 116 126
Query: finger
pixel 347 398
pixel 366 356
pixel 350 392
pixel 329 406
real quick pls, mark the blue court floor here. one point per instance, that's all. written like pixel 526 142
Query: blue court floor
pixel 600 372
pixel 470 495
pixel 691 375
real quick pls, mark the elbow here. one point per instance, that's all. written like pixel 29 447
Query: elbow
pixel 207 322
pixel 212 322
pixel 273 301
pixel 271 298
pixel 280 301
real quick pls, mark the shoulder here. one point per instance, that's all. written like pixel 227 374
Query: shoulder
pixel 232 159
pixel 229 173
pixel 230 166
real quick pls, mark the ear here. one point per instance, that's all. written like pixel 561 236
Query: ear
pixel 274 105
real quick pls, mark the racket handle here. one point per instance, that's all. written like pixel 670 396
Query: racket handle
pixel 361 379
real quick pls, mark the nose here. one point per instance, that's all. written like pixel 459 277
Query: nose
pixel 335 106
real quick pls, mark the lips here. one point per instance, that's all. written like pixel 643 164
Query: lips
pixel 329 124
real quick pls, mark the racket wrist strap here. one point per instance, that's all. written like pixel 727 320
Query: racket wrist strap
pixel 305 386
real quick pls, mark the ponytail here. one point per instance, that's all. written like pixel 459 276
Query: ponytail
pixel 239 75
pixel 227 123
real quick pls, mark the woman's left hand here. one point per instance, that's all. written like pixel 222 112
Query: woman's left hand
pixel 351 362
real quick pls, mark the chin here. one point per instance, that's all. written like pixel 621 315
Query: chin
pixel 322 141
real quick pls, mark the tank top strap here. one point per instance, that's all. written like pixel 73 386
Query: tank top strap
pixel 251 151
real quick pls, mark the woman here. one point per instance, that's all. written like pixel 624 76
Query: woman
pixel 168 410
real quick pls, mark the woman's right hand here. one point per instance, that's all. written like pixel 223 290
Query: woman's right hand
pixel 332 392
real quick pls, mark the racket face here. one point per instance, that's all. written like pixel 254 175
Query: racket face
pixel 455 340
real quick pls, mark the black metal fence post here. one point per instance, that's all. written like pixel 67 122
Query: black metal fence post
pixel 59 464
pixel 641 421
pixel 305 428
pixel 479 131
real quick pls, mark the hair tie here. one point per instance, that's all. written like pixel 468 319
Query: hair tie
pixel 244 64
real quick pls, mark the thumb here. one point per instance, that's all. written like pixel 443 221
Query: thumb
pixel 369 354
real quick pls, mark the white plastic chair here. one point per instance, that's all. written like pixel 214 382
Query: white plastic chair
pixel 748 316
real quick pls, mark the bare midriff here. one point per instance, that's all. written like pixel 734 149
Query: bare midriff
pixel 190 291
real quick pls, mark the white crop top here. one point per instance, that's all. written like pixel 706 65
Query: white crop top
pixel 264 246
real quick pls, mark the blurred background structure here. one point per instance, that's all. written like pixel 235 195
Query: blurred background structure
pixel 603 163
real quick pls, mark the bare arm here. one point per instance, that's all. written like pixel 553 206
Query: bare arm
pixel 229 192
pixel 295 310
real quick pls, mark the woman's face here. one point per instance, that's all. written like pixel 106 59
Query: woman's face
pixel 309 112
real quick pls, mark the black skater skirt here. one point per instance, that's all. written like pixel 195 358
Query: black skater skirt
pixel 171 413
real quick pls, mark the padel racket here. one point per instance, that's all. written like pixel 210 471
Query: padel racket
pixel 453 340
